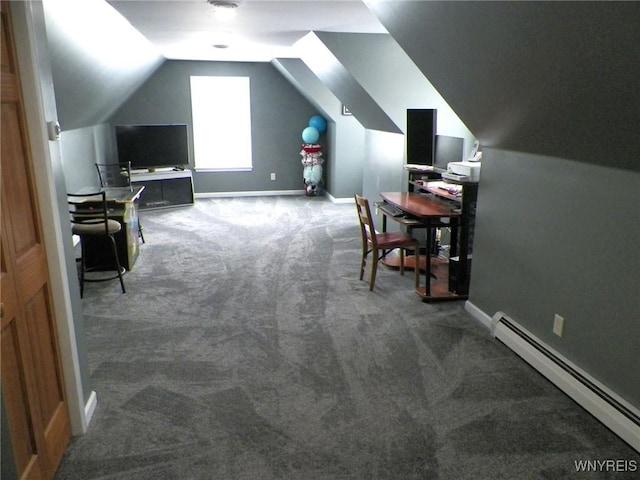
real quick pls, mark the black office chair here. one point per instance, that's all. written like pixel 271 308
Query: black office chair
pixel 117 175
pixel 90 221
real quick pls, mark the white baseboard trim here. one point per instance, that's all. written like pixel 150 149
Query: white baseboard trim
pixel 269 193
pixel 90 407
pixel 340 200
pixel 556 368
pixel 596 398
pixel 478 314
pixel 266 193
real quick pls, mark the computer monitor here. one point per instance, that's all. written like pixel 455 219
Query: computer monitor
pixel 447 149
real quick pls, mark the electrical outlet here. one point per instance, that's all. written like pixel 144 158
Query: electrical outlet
pixel 273 176
pixel 558 325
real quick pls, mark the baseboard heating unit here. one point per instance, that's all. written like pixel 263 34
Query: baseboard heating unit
pixel 617 414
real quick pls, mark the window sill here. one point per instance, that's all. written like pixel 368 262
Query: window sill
pixel 218 170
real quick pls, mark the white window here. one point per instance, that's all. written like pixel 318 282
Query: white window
pixel 221 112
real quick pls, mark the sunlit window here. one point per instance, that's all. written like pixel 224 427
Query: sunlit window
pixel 221 110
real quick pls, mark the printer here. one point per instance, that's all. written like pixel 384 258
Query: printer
pixel 463 171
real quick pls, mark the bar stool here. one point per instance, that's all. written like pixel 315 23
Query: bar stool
pixel 90 221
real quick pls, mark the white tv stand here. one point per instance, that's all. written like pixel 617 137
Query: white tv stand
pixel 164 188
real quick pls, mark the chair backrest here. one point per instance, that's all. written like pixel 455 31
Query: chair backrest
pixel 114 174
pixel 88 213
pixel 367 228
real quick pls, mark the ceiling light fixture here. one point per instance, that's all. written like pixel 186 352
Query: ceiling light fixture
pixel 223 9
pixel 221 39
pixel 222 4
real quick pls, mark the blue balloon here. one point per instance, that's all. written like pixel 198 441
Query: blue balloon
pixel 318 123
pixel 310 135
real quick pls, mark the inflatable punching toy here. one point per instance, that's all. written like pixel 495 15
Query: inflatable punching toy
pixel 312 172
pixel 312 155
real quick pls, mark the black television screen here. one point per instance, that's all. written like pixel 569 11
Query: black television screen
pixel 153 146
pixel 447 149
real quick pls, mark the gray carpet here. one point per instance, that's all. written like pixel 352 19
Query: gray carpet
pixel 247 348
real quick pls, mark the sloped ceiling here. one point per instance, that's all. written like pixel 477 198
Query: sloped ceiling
pixel 385 71
pixel 98 60
pixel 344 86
pixel 310 86
pixel 552 78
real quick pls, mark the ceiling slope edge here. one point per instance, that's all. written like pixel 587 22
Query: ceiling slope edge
pixel 523 81
pixel 386 72
pixel 98 60
pixel 322 62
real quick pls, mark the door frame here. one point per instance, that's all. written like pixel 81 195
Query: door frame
pixel 27 20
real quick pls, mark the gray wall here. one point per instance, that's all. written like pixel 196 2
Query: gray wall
pixel 81 149
pixel 384 157
pixel 348 162
pixel 344 149
pixel 279 113
pixel 556 230
pixel 552 236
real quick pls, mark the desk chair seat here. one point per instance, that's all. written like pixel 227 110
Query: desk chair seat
pixel 380 244
pixel 113 175
pixel 90 221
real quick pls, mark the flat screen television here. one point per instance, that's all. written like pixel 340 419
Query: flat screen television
pixel 153 146
pixel 447 149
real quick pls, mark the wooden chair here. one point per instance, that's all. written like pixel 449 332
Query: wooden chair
pixel 117 175
pixel 90 221
pixel 380 244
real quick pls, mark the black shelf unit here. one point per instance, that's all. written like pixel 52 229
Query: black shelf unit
pixel 164 188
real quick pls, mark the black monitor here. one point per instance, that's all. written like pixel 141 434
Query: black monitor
pixel 447 149
pixel 153 146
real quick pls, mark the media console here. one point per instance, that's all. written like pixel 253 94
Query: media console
pixel 164 188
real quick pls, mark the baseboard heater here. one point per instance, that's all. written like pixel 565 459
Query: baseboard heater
pixel 621 417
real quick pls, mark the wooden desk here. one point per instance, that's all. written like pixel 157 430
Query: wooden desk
pixel 122 205
pixel 427 212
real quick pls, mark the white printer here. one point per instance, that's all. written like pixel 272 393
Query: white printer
pixel 463 171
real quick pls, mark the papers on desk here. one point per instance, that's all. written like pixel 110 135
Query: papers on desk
pixel 421 168
pixel 448 187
